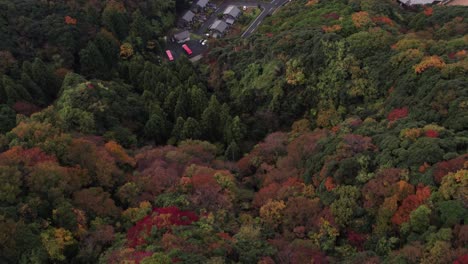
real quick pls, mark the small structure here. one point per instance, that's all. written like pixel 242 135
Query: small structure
pixel 418 2
pixel 200 5
pixel 187 49
pixel 218 28
pixel 232 12
pixel 182 37
pixel 187 18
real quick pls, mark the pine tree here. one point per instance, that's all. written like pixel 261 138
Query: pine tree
pixel 7 119
pixel 234 130
pixel 116 22
pixel 45 78
pixel 233 151
pixel 211 119
pixel 92 62
pixel 176 134
pixel 156 127
pixel 191 129
pixel 198 101
pixel 140 30
pixel 15 92
pixel 109 47
pixel 34 90
pixel 182 108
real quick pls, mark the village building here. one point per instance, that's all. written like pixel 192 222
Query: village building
pixel 231 14
pixel 200 5
pixel 187 19
pixel 218 28
pixel 182 37
pixel 418 2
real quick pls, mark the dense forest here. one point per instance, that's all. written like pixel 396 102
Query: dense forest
pixel 337 133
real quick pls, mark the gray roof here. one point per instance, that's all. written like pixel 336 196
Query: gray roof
pixel 182 35
pixel 419 2
pixel 202 3
pixel 188 16
pixel 230 21
pixel 232 11
pixel 219 26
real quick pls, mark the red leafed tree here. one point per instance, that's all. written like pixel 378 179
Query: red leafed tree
pixel 461 232
pixel 157 178
pixel 128 255
pixel 291 187
pixel 357 240
pixel 383 20
pixel 398 113
pixel 380 187
pixel 356 144
pixel 28 157
pixel 302 148
pixel 272 147
pixel 329 184
pixel 445 167
pixel 264 194
pixel 161 218
pixel 25 108
pixel 207 193
pixel 431 133
pixel 300 252
pixel 461 260
pixel 410 203
pixel 301 212
pixel 97 201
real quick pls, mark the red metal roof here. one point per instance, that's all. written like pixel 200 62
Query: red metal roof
pixel 187 49
pixel 169 55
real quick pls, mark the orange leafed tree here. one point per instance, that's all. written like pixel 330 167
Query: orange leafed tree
pixel 329 184
pixel 429 62
pixel 70 20
pixel 361 19
pixel 428 11
pixel 119 153
pixel 334 28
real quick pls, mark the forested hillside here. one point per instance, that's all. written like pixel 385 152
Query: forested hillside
pixel 337 133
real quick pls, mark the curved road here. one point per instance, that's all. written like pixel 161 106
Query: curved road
pixel 267 8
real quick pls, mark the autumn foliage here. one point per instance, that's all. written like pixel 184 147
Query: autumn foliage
pixel 410 203
pixel 429 62
pixel 443 168
pixel 70 21
pixel 161 218
pixel 397 113
pixel 361 19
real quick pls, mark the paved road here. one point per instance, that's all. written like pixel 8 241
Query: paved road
pixel 267 8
